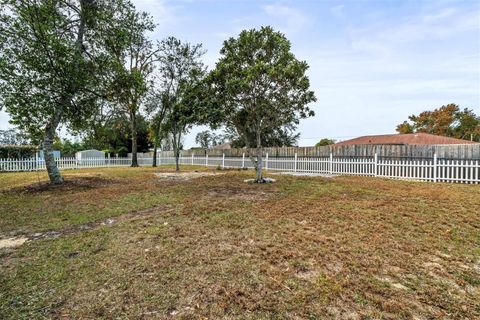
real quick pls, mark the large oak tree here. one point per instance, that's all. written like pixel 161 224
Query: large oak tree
pixel 259 87
pixel 448 120
pixel 53 64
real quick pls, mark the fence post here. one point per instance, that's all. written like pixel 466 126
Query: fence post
pixel 331 163
pixel 36 161
pixel 435 167
pixel 108 163
pixel 206 160
pixel 375 170
pixel 266 161
pixel 295 163
pixel 243 160
pixel 223 160
pixel 192 159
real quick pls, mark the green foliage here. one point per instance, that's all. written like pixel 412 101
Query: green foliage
pixel 180 72
pixel 17 151
pixel 51 60
pixel 114 134
pixel 67 148
pixel 122 151
pixel 448 120
pixel 325 142
pixel 207 139
pixel 277 137
pixel 259 87
pixel 135 56
pixel 55 64
pixel 404 128
pixel 259 84
pixel 13 137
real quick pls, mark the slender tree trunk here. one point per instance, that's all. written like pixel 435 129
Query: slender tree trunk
pixel 259 166
pixel 176 149
pixel 154 162
pixel 52 169
pixel 133 127
pixel 177 156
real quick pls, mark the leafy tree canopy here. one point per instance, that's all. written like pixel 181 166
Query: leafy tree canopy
pixel 54 61
pixel 134 56
pixel 448 120
pixel 13 137
pixel 279 137
pixel 207 139
pixel 114 135
pixel 259 87
pixel 180 72
pixel 325 142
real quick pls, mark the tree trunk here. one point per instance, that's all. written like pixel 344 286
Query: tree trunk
pixel 53 173
pixel 177 156
pixel 259 166
pixel 154 161
pixel 177 137
pixel 52 169
pixel 133 125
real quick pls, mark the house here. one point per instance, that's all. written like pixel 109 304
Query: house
pixel 404 139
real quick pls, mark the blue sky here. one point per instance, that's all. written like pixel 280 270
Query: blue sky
pixel 372 63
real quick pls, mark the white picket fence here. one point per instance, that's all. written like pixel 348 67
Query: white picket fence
pixel 434 170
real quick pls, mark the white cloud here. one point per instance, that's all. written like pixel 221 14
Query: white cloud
pixel 442 14
pixel 289 20
pixel 437 25
pixel 390 69
pixel 163 13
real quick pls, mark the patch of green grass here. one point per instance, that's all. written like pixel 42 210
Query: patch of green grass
pixel 30 211
pixel 49 272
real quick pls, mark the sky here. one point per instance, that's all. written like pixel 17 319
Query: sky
pixel 372 63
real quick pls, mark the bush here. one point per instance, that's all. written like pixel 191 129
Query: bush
pixel 17 152
pixel 122 151
pixel 325 142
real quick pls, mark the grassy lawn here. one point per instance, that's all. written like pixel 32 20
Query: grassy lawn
pixel 123 243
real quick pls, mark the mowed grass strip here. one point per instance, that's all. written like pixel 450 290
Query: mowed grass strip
pixel 216 247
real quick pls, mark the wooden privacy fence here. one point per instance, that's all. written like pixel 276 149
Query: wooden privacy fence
pixel 453 151
pixel 434 169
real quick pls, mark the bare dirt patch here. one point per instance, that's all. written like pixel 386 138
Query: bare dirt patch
pixel 185 176
pixel 70 184
pixel 12 242
pixel 140 214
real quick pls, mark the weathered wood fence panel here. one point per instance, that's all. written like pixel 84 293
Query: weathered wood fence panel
pixel 461 151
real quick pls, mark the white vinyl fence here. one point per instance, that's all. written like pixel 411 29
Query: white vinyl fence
pixel 434 170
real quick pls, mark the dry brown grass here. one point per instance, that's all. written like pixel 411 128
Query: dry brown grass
pixel 215 247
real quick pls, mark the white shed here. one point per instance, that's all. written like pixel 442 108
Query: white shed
pixel 56 154
pixel 90 154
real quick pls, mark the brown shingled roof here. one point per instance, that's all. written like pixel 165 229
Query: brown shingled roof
pixel 404 139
